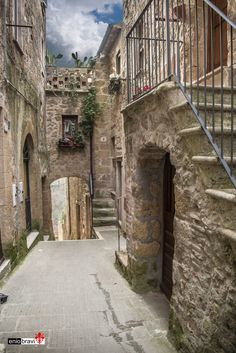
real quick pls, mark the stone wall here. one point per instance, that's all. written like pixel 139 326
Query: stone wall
pixel 203 301
pixel 21 115
pixel 102 144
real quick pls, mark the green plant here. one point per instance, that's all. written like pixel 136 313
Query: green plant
pixel 51 59
pixel 78 136
pixel 86 62
pixel 114 84
pixel 35 224
pixel 90 110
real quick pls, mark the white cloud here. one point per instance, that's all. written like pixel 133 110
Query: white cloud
pixel 71 26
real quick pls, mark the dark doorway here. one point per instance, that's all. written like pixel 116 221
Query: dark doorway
pixel 168 239
pixel 1 251
pixel 214 37
pixel 26 157
pixel 119 190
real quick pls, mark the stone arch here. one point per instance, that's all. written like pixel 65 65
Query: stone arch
pixel 81 189
pixel 29 189
pixel 145 240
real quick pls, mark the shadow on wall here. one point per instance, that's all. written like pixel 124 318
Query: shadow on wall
pixel 71 209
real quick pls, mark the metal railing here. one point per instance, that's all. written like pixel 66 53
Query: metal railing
pixel 193 42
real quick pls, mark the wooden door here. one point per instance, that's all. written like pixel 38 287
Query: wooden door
pixel 168 240
pixel 215 27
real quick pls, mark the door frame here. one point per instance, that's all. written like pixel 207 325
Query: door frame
pixel 225 34
pixel 28 214
pixel 168 203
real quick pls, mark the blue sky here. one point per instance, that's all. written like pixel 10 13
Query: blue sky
pixel 79 25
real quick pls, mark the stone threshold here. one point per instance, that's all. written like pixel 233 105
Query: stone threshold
pixel 122 259
pixel 31 237
pixel 5 268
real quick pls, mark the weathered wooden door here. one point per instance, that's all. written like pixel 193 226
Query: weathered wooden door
pixel 168 239
pixel 26 156
pixel 214 37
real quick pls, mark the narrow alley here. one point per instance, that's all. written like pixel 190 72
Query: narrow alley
pixel 72 293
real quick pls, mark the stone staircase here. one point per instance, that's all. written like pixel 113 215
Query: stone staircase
pixel 219 190
pixel 104 213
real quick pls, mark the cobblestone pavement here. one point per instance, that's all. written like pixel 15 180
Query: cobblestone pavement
pixel 72 293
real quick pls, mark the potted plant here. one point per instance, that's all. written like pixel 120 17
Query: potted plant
pixel 114 84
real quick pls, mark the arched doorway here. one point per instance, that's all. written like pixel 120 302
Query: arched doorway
pixel 26 159
pixel 71 215
pixel 168 226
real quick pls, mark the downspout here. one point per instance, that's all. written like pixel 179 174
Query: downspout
pixel 91 185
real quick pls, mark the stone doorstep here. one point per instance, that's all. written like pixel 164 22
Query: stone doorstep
pixel 4 269
pixel 122 258
pixel 31 238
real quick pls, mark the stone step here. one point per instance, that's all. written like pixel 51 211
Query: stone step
pixel 103 203
pixel 224 194
pixel 222 203
pixel 213 174
pixel 100 212
pixel 185 118
pixel 206 94
pixel 228 233
pixel 31 237
pixel 5 268
pixel 212 160
pixel 198 142
pixel 104 221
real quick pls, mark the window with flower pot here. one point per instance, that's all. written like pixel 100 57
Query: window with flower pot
pixel 69 126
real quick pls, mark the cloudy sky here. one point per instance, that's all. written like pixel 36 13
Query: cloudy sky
pixel 79 25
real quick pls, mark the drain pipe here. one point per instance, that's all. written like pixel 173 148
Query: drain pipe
pixel 91 185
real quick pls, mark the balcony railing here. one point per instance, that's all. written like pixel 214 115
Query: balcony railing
pixel 66 79
pixel 194 43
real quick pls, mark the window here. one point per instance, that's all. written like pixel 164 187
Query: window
pixel 69 126
pixel 118 63
pixel 17 20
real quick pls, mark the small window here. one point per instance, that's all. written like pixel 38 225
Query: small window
pixel 118 63
pixel 17 20
pixel 69 126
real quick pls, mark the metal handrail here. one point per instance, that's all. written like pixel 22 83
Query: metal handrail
pixel 177 38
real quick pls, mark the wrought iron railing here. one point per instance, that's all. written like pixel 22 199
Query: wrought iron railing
pixel 194 42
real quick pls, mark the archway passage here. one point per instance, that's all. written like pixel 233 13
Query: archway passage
pixel 26 159
pixel 71 209
pixel 168 237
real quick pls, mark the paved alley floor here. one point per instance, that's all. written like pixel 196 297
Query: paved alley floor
pixel 71 292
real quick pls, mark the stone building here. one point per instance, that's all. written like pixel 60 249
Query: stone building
pixel 179 155
pixel 110 53
pixel 69 154
pixel 23 156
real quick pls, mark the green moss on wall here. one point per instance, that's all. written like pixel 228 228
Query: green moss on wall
pixel 18 251
pixel 176 333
